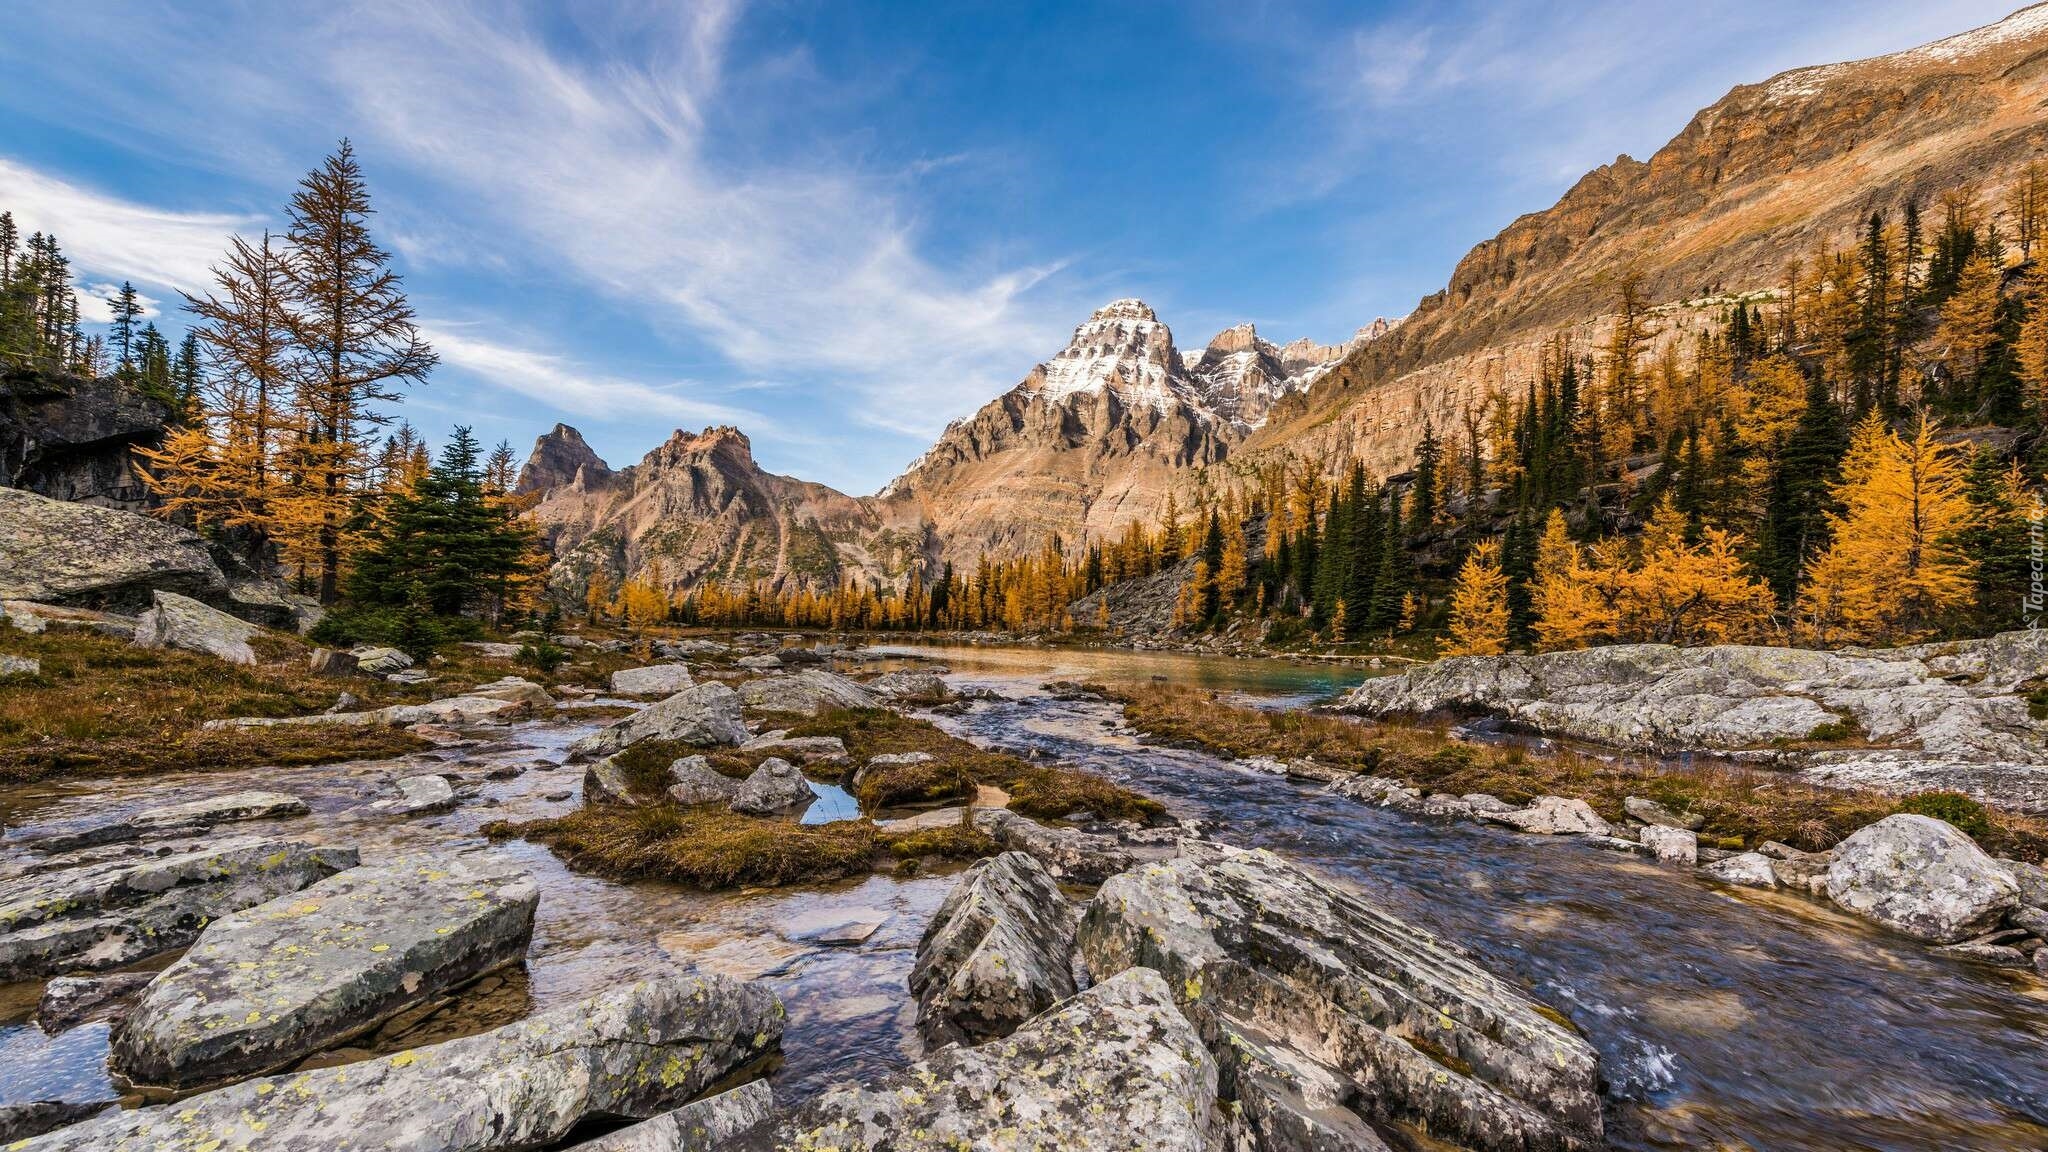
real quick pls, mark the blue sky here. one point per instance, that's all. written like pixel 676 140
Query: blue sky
pixel 840 225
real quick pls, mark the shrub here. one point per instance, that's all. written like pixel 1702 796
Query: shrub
pixel 1966 814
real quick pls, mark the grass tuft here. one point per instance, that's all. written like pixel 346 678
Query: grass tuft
pixel 700 847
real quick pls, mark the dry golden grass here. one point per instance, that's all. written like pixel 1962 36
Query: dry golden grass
pixel 1742 807
pixel 102 705
pixel 704 847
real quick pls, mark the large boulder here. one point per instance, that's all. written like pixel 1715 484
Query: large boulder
pixel 707 714
pixel 83 555
pixel 1325 1011
pixel 998 952
pixel 1068 853
pixel 113 913
pixel 1554 816
pixel 1114 1069
pixel 773 787
pixel 271 985
pixel 499 702
pixel 181 622
pixel 632 1053
pixel 377 659
pixel 692 781
pixel 806 693
pixel 1921 876
pixel 911 685
pixel 417 796
pixel 653 680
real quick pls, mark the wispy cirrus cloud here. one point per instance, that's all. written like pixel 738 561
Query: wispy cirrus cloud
pixel 115 237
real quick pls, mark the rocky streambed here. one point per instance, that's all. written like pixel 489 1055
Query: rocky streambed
pixel 1498 990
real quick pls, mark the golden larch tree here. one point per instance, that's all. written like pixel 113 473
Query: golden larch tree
pixel 1479 604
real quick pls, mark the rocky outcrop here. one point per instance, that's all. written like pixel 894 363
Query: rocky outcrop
pixel 561 459
pixel 175 621
pixel 1068 853
pixel 417 796
pixel 86 556
pixel 499 702
pixel 632 1053
pixel 1114 1069
pixel 265 987
pixel 69 1001
pixel 803 749
pixel 998 952
pixel 74 439
pixel 910 686
pixel 653 680
pixel 1949 716
pixel 707 714
pixel 1922 877
pixel 775 786
pixel 110 914
pixel 703 1126
pixel 806 693
pixel 1327 1013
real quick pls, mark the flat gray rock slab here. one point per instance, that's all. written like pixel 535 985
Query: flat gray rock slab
pixel 633 1053
pixel 998 952
pixel 1114 1069
pixel 113 913
pixel 702 1126
pixel 181 622
pixel 806 693
pixel 272 984
pixel 652 680
pixel 176 819
pixel 1323 1004
pixel 417 795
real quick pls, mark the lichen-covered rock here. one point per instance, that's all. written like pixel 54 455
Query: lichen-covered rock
pixel 69 1001
pixel 631 1053
pixel 653 680
pixel 1114 1069
pixel 605 783
pixel 1555 816
pixel 773 787
pixel 378 660
pixel 113 913
pixel 35 1117
pixel 499 702
pixel 1068 853
pixel 36 619
pixel 701 1126
pixel 803 749
pixel 707 714
pixel 417 796
pixel 998 952
pixel 19 666
pixel 695 781
pixel 273 984
pixel 1749 869
pixel 1939 716
pixel 1652 813
pixel 1324 1003
pixel 85 555
pixel 806 693
pixel 915 685
pixel 181 622
pixel 1672 845
pixel 1922 877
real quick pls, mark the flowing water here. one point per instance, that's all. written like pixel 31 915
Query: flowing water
pixel 1725 1018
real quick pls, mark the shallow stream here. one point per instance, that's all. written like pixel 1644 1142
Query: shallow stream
pixel 1726 1018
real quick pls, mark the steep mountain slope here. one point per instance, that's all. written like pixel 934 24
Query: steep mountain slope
pixel 703 509
pixel 1097 436
pixel 1752 182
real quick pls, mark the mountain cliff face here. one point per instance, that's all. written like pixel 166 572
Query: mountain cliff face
pixel 1753 182
pixel 1096 437
pixel 702 509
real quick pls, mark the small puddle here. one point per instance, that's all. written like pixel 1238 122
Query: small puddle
pixel 832 805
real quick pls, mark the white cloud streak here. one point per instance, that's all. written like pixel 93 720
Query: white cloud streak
pixel 115 239
pixel 565 386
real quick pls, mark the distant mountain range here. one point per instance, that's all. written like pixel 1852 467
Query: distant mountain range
pixel 1099 435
